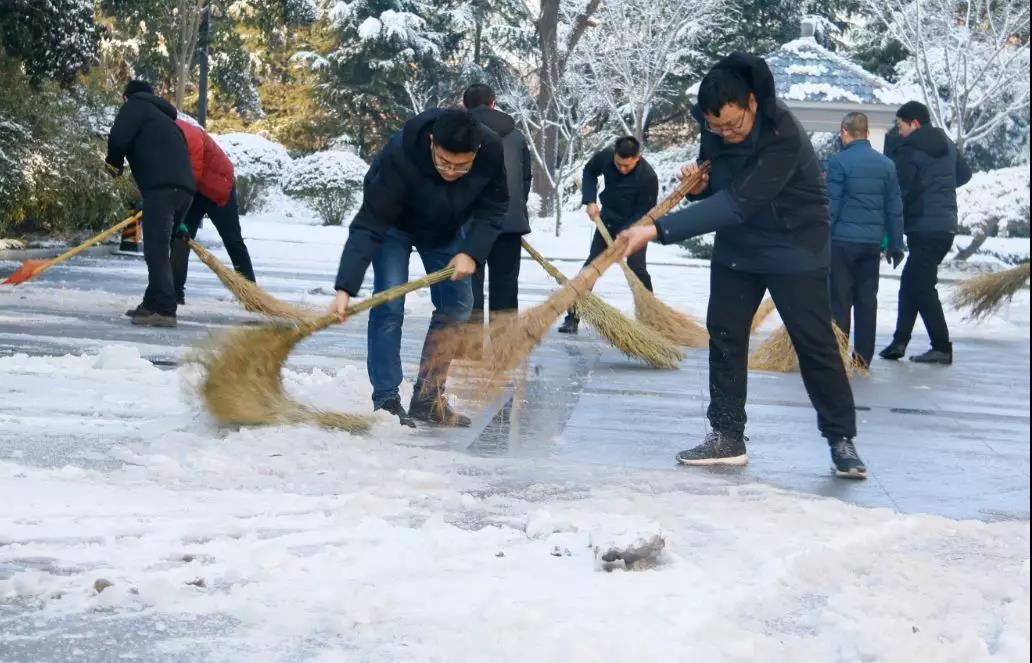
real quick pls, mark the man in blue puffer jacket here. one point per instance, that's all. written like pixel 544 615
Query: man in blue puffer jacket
pixel 865 208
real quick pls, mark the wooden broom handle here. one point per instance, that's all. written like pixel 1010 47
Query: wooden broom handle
pixel 381 298
pixel 99 237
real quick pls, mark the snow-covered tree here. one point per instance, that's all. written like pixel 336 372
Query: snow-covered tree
pixel 631 79
pixel 257 162
pixel 330 181
pixel 54 39
pixel 970 58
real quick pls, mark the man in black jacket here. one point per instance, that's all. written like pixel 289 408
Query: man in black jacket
pixel 442 170
pixel 504 258
pixel 631 189
pixel 145 132
pixel 765 199
pixel 930 169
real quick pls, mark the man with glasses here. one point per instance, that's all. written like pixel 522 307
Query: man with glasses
pixel 766 201
pixel 440 171
pixel 631 189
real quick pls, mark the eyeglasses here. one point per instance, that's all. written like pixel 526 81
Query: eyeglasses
pixel 733 128
pixel 444 166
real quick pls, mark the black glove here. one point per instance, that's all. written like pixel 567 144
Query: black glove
pixel 894 258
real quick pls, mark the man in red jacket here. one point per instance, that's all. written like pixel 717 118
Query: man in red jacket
pixel 216 197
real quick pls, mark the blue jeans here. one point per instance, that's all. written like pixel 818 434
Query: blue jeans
pixel 453 301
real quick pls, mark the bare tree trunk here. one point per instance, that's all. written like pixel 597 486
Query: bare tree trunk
pixel 971 249
pixel 548 138
pixel 189 15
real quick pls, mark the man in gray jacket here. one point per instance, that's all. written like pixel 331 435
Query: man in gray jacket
pixel 865 209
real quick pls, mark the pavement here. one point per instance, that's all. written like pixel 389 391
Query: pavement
pixel 952 441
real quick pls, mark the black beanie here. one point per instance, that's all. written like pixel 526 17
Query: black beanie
pixel 136 85
pixel 914 110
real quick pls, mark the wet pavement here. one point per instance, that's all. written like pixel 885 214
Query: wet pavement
pixel 952 441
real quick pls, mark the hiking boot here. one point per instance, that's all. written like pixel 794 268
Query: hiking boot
pixel 893 352
pixel 933 356
pixel 845 461
pixel 149 319
pixel 717 449
pixel 437 411
pixel 138 311
pixel 569 325
pixel 394 407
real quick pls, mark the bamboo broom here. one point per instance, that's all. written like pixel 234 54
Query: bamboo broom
pixel 250 296
pixel 242 381
pixel 669 322
pixel 633 339
pixel 984 295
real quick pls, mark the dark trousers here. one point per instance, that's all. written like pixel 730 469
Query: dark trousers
pixel 917 293
pixel 854 292
pixel 227 222
pixel 504 265
pixel 802 301
pixel 162 211
pixel 637 261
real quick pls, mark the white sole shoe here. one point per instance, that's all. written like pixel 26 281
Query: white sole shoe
pixel 730 460
pixel 852 474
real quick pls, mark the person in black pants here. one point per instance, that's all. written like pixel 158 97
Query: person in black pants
pixel 503 261
pixel 865 208
pixel 766 200
pixel 227 222
pixel 145 132
pixel 631 190
pixel 930 169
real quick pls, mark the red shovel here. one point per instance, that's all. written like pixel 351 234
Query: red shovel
pixel 32 268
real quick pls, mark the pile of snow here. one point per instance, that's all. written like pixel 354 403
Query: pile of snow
pixel 996 202
pixel 254 157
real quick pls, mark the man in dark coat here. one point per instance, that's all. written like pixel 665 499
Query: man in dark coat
pixel 865 209
pixel 442 171
pixel 766 200
pixel 145 132
pixel 504 259
pixel 631 189
pixel 930 169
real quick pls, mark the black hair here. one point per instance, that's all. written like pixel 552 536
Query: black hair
pixel 914 110
pixel 478 94
pixel 457 131
pixel 720 87
pixel 137 85
pixel 627 146
pixel 855 124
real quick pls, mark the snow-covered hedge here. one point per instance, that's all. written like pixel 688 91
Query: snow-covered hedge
pixel 258 162
pixel 330 181
pixel 996 203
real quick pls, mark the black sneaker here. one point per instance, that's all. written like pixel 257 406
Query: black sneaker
pixel 933 356
pixel 717 449
pixel 569 325
pixel 134 312
pixel 845 461
pixel 394 407
pixel 149 319
pixel 437 411
pixel 893 352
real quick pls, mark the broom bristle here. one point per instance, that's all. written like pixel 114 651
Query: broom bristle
pixel 778 355
pixel 985 295
pixel 762 313
pixel 250 296
pixel 669 322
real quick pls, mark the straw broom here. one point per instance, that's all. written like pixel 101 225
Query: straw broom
pixel 984 295
pixel 778 355
pixel 242 369
pixel 634 340
pixel 250 296
pixel 653 313
pixel 761 315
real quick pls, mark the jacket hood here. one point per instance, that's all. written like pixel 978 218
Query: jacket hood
pixel 757 74
pixel 164 106
pixel 495 120
pixel 930 140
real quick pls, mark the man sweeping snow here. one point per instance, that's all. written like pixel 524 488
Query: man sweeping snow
pixel 767 203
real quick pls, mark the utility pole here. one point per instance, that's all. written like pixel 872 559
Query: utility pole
pixel 202 85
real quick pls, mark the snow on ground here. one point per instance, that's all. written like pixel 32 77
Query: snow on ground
pixel 293 543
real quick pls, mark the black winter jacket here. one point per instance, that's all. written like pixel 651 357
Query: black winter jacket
pixel 403 190
pixel 626 198
pixel 930 169
pixel 517 166
pixel 766 199
pixel 145 132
